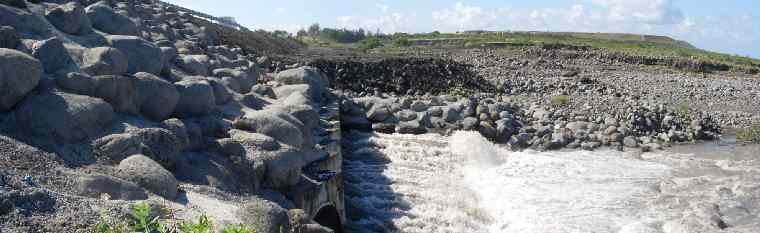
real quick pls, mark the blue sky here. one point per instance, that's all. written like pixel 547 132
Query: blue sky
pixel 724 26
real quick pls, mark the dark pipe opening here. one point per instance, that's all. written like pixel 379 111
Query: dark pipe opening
pixel 328 216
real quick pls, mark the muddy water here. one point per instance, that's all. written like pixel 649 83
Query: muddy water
pixel 463 183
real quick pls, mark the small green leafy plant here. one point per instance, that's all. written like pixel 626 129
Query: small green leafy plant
pixel 202 226
pixel 143 221
pixel 238 229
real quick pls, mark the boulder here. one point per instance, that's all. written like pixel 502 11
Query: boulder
pixel 148 174
pixel 25 22
pixel 359 123
pixel 283 92
pixel 267 216
pixel 161 145
pixel 305 75
pixel 254 141
pixel 451 115
pixel 9 38
pixel 406 115
pixel 271 123
pixel 77 83
pixel 53 56
pixel 64 117
pixel 195 64
pixel 221 94
pixel 69 18
pixel 105 19
pixel 19 74
pixel 470 123
pixel 157 98
pixel 419 106
pixel 116 147
pixel 119 91
pixel 630 142
pixel 201 168
pixel 196 98
pixel 104 61
pixel 283 168
pixel 378 113
pixel 142 55
pixel 244 80
pixel 410 127
pixel 178 128
pixel 97 185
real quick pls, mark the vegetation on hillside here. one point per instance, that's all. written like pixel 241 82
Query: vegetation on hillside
pixel 653 46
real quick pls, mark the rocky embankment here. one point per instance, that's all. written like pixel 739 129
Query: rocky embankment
pixel 103 104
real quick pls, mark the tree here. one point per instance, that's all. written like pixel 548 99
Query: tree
pixel 302 33
pixel 314 29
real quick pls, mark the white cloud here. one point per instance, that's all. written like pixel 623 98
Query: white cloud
pixel 644 11
pixel 280 10
pixel 383 8
pixel 464 17
pixel 387 21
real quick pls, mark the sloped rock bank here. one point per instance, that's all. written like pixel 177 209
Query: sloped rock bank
pixel 103 104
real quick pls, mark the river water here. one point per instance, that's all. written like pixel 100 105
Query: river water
pixel 463 183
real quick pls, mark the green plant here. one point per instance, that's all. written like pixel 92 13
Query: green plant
pixel 141 218
pixel 370 43
pixel 202 226
pixel 751 133
pixel 683 111
pixel 238 229
pixel 560 100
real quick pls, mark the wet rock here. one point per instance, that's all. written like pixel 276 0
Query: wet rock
pixel 19 74
pixel 148 174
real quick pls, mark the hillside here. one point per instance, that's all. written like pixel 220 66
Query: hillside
pixel 658 47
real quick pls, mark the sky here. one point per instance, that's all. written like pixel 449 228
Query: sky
pixel 727 26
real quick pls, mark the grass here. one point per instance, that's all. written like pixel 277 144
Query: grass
pixel 560 100
pixel 751 134
pixel 142 220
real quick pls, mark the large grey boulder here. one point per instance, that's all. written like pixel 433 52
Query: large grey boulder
pixel 243 79
pixel 119 91
pixel 266 216
pixel 116 147
pixel 19 74
pixel 195 64
pixel 157 97
pixel 25 22
pixel 77 83
pixel 378 113
pixel 161 145
pixel 69 18
pixel 305 75
pixel 9 38
pixel 104 61
pixel 53 55
pixel 254 141
pixel 208 169
pixel 148 174
pixel 283 167
pixel 64 117
pixel 142 55
pixel 179 129
pixel 196 98
pixel 222 95
pixel 286 91
pixel 105 19
pixel 272 124
pixel 97 185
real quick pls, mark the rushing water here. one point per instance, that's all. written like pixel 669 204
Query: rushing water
pixel 463 183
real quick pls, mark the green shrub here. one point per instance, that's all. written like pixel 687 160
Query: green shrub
pixel 560 100
pixel 238 229
pixel 402 42
pixel 683 111
pixel 142 221
pixel 749 134
pixel 370 43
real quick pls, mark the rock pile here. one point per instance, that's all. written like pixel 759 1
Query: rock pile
pixel 152 104
pixel 504 120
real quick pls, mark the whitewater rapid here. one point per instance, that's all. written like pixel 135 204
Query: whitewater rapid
pixel 463 183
